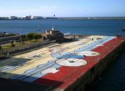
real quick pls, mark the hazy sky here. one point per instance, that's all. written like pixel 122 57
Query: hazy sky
pixel 73 8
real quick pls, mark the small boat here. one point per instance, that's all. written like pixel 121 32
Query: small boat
pixel 123 29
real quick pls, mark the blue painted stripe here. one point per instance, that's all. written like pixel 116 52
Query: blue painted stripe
pixel 39 74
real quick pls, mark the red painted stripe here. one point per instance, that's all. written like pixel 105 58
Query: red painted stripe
pixel 57 77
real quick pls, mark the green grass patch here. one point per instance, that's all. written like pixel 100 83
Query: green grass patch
pixel 20 44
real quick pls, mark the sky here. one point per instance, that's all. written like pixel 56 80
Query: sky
pixel 63 8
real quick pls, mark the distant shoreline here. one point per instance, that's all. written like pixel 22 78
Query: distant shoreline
pixel 92 18
pixel 70 18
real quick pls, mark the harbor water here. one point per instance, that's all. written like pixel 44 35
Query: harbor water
pixel 101 27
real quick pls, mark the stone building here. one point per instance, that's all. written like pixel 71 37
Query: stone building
pixel 53 34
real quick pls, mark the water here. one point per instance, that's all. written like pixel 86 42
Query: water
pixel 114 78
pixel 104 27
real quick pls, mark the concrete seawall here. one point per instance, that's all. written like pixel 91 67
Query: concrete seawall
pixel 94 72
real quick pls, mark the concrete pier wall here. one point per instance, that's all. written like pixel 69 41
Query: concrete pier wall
pixel 94 74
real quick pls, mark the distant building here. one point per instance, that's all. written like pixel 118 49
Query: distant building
pixel 27 17
pixel 4 18
pixel 50 17
pixel 14 18
pixel 38 17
